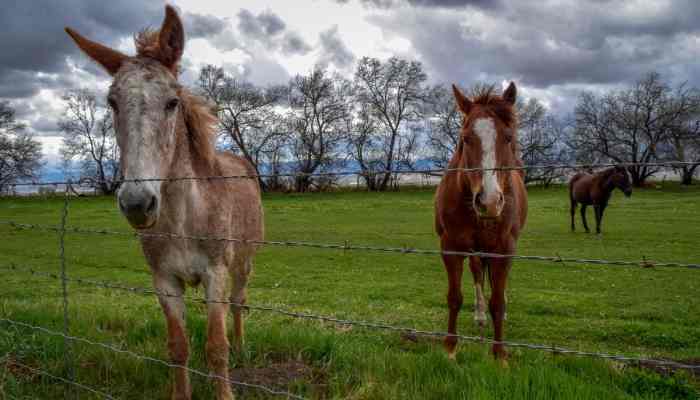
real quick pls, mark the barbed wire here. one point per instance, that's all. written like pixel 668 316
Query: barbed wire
pixel 346 246
pixel 151 359
pixel 61 379
pixel 367 324
pixel 429 171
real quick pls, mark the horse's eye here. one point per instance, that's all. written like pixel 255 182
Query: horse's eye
pixel 112 104
pixel 172 104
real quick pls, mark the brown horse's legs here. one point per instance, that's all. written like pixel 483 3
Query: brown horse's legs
pixel 599 217
pixel 583 217
pixel 174 309
pixel 454 266
pixel 217 347
pixel 573 215
pixel 239 296
pixel 475 265
pixel 497 305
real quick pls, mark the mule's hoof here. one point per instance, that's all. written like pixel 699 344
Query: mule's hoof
pixel 503 363
pixel 452 355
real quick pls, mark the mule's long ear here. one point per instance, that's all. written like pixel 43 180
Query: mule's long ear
pixel 171 39
pixel 463 103
pixel 110 60
pixel 510 94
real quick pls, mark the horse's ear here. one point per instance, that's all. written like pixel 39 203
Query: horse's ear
pixel 510 94
pixel 463 103
pixel 111 60
pixel 171 39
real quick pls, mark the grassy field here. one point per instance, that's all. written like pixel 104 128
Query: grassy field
pixel 635 311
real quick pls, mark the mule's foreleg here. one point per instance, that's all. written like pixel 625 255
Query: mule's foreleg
pixel 171 291
pixel 454 266
pixel 239 297
pixel 497 305
pixel 217 347
pixel 475 265
pixel 583 217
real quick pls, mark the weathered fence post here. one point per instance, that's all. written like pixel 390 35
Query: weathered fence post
pixel 68 353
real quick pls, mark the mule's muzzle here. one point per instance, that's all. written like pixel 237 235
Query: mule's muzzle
pixel 139 204
pixel 489 206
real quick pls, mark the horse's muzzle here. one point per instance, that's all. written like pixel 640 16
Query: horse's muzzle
pixel 139 204
pixel 489 206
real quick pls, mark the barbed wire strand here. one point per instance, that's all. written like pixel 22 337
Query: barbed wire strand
pixel 61 379
pixel 645 263
pixel 371 325
pixel 430 171
pixel 151 359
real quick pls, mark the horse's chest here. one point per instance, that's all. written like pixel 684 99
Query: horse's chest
pixel 187 261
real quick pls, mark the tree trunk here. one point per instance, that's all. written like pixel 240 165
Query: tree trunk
pixel 687 176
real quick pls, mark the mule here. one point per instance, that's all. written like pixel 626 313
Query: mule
pixel 483 210
pixel 596 190
pixel 164 131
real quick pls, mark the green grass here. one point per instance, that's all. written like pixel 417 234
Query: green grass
pixel 635 311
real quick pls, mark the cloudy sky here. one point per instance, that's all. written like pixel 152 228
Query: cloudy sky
pixel 552 49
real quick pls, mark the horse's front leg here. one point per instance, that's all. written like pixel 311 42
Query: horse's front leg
pixel 217 347
pixel 498 276
pixel 475 265
pixel 454 266
pixel 170 291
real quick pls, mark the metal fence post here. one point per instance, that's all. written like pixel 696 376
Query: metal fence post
pixel 68 352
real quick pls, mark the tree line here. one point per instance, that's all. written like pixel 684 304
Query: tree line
pixel 388 118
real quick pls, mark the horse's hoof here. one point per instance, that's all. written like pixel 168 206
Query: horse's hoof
pixel 452 355
pixel 480 319
pixel 503 363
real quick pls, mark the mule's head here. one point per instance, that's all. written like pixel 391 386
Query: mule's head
pixel 145 100
pixel 621 180
pixel 487 141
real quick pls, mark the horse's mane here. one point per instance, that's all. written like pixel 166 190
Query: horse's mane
pixel 485 96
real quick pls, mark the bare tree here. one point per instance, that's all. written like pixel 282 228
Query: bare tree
pixel 628 126
pixel 444 122
pixel 247 114
pixel 319 110
pixel 684 135
pixel 394 93
pixel 20 153
pixel 88 137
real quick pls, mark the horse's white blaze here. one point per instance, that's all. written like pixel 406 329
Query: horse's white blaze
pixel 485 129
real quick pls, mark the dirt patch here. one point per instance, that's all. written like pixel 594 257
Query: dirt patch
pixel 281 376
pixel 18 370
pixel 669 370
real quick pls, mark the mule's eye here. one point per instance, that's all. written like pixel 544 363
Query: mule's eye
pixel 112 104
pixel 172 104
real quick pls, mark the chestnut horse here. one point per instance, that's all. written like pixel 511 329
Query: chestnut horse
pixel 595 190
pixel 164 131
pixel 481 210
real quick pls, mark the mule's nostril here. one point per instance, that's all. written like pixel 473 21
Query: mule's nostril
pixel 152 205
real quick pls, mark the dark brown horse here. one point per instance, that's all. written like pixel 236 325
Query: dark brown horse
pixel 481 210
pixel 596 189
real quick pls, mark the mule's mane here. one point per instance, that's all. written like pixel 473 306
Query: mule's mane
pixel 201 125
pixel 485 96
